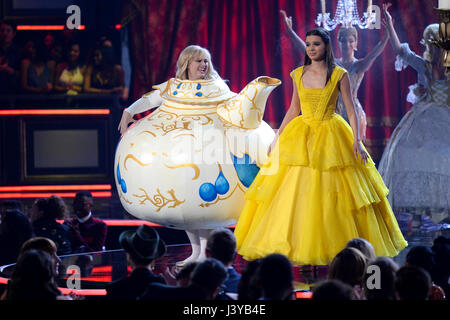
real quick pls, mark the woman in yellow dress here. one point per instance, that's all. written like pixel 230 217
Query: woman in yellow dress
pixel 326 190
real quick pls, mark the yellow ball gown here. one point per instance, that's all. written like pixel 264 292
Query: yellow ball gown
pixel 320 196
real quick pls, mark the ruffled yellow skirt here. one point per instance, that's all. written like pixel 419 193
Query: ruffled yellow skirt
pixel 320 197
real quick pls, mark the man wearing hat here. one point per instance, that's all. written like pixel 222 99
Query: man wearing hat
pixel 142 247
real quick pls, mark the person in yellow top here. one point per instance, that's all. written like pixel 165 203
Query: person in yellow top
pixel 326 190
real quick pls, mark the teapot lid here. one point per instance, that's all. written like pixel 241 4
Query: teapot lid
pixel 212 91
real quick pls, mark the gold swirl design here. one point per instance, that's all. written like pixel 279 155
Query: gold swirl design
pixel 149 132
pixel 172 127
pixel 185 117
pixel 132 157
pixel 125 199
pixel 191 165
pixel 207 204
pixel 159 200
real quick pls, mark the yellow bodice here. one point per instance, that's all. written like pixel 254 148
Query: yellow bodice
pixel 318 104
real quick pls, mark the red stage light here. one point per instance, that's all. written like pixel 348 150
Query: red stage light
pixel 20 195
pixel 303 295
pixel 35 112
pixel 56 187
pixel 118 26
pixel 45 27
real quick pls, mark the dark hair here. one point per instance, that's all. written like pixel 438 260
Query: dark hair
pixel 329 57
pixel 186 271
pixel 412 283
pixel 33 277
pixel 349 266
pixel 108 57
pixel 275 274
pixel 249 287
pixel 222 245
pixel 41 53
pixel 386 291
pixel 39 243
pixel 11 205
pixel 84 193
pixel 57 208
pixel 421 256
pixel 42 205
pixel 209 275
pixel 332 290
pixel 81 57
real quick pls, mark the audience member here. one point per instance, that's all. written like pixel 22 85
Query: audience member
pixel 36 71
pixel 386 286
pixel 221 245
pixel 275 274
pixel 33 278
pixel 142 247
pixel 332 290
pixel 10 205
pixel 86 232
pixel 70 74
pixel 412 283
pixel 364 246
pixel 104 75
pixel 349 266
pixel 441 270
pixel 423 257
pixel 43 244
pixel 249 287
pixel 15 229
pixel 43 218
pixel 182 277
pixel 9 58
pixel 206 281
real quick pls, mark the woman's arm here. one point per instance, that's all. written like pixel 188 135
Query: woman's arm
pixel 296 40
pixel 354 121
pixel 147 102
pixel 59 86
pixel 293 112
pixel 389 25
pixel 364 64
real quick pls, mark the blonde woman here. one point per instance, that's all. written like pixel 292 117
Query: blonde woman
pixel 416 161
pixel 194 63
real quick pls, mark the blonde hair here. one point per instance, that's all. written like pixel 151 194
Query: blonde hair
pixel 187 55
pixel 364 246
pixel 347 31
pixel 430 34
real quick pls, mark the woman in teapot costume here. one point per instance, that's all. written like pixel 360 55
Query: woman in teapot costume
pixel 187 164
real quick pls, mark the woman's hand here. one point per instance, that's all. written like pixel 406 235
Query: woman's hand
pixel 287 21
pixel 387 21
pixel 273 144
pixel 358 149
pixel 124 121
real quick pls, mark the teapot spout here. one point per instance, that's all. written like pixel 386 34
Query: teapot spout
pixel 246 109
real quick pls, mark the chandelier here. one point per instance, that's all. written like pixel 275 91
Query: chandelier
pixel 347 15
